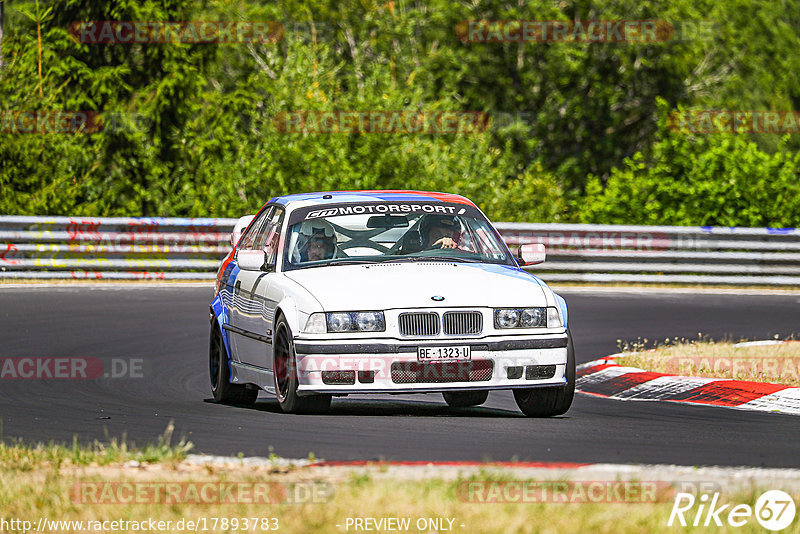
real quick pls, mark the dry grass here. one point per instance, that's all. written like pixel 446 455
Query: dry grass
pixel 778 363
pixel 40 488
pixel 19 456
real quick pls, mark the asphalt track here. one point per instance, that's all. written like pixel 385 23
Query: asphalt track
pixel 167 328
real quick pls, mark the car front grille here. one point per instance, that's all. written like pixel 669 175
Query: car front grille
pixel 419 324
pixel 469 322
pixel 439 372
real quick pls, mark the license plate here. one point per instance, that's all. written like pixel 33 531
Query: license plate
pixel 436 354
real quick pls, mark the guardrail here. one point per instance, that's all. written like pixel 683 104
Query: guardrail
pixel 146 248
pixel 662 254
pixel 177 248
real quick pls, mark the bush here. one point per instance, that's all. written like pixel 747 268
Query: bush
pixel 712 179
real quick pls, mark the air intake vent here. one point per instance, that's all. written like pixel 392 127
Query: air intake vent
pixel 441 372
pixel 540 372
pixel 341 378
pixel 419 324
pixel 463 322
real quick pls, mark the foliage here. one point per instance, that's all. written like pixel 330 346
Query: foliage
pixel 714 180
pixel 575 126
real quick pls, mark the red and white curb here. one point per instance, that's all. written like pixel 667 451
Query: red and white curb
pixel 604 378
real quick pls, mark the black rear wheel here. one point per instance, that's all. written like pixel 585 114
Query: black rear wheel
pixel 285 371
pixel 464 399
pixel 548 402
pixel 220 373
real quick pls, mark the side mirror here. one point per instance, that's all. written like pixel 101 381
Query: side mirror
pixel 531 254
pixel 250 260
pixel 240 226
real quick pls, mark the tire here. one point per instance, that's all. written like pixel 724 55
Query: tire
pixel 285 373
pixel 548 402
pixel 464 399
pixel 219 372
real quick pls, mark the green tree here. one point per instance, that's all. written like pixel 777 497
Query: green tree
pixel 714 180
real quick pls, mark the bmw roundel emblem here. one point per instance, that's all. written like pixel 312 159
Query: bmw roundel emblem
pixel 437 298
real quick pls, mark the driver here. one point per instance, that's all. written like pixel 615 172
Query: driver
pixel 317 241
pixel 441 231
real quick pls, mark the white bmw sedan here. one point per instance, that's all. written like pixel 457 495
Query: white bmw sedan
pixel 331 294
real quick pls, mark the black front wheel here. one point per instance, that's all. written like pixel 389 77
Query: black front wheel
pixel 548 402
pixel 285 372
pixel 220 373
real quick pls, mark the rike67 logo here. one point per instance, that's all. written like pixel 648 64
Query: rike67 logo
pixel 774 510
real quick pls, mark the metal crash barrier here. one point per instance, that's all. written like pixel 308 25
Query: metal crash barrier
pixel 156 248
pixel 133 248
pixel 662 254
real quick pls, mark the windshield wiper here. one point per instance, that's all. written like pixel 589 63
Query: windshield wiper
pixel 445 259
pixel 345 261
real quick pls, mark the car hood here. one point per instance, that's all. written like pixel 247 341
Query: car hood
pixel 412 285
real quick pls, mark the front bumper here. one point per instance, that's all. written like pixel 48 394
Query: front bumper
pixel 391 366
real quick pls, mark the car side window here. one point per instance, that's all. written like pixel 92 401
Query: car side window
pixel 268 238
pixel 250 237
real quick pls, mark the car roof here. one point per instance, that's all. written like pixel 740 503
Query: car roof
pixel 334 197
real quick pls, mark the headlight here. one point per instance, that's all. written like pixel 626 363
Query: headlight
pixel 506 318
pixel 370 321
pixel 315 324
pixel 526 318
pixel 364 321
pixel 553 318
pixel 533 317
pixel 340 322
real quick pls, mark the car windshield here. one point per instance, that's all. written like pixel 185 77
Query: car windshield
pixel 391 232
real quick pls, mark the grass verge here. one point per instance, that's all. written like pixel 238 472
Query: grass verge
pixel 21 457
pixel 52 482
pixel 777 362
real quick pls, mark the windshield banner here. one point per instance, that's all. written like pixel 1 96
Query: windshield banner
pixel 384 208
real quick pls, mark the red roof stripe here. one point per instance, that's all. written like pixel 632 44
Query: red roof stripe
pixel 444 197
